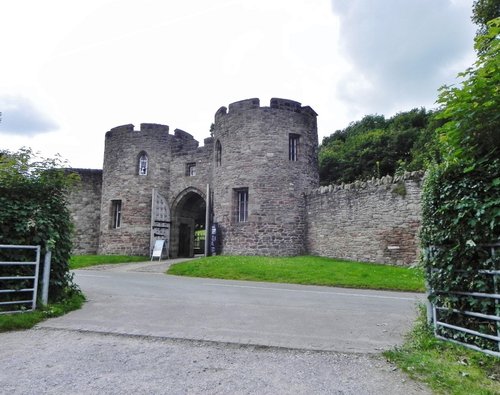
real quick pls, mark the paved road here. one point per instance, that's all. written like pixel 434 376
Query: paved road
pixel 127 301
pixel 144 332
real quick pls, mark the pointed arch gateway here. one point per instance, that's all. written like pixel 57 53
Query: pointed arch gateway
pixel 188 223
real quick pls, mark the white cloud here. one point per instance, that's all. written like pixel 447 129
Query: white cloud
pixel 401 50
pixel 20 116
pixel 96 64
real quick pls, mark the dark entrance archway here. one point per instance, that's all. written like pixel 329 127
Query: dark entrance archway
pixel 188 227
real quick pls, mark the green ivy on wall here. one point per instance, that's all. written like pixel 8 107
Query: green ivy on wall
pixel 461 200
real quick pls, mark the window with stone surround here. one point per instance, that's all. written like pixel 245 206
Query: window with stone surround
pixel 241 204
pixel 143 164
pixel 116 213
pixel 293 147
pixel 218 153
pixel 191 169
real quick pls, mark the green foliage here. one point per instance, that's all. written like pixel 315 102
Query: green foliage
pixel 471 133
pixel 461 198
pixel 375 147
pixel 27 320
pixel 308 270
pixel 446 368
pixel 484 11
pixel 33 211
pixel 460 216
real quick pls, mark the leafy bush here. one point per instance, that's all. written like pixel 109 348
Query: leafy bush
pixel 33 211
pixel 460 218
pixel 461 198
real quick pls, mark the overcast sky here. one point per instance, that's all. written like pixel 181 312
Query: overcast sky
pixel 72 70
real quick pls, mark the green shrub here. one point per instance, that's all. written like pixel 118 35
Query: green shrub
pixel 33 211
pixel 460 218
pixel 461 199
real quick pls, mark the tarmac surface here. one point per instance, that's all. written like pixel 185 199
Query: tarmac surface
pixel 144 332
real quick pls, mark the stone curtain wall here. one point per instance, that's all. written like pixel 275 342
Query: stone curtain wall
pixel 85 208
pixel 373 221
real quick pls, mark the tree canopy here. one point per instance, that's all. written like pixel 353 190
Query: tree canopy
pixel 471 113
pixel 484 11
pixel 375 146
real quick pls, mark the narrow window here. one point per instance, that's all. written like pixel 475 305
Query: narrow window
pixel 143 164
pixel 218 153
pixel 241 204
pixel 293 147
pixel 116 213
pixel 191 169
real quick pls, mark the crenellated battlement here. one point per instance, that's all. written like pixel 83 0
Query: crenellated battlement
pixel 124 130
pixel 254 103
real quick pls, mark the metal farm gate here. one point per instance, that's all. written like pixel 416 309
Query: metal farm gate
pixel 486 326
pixel 19 278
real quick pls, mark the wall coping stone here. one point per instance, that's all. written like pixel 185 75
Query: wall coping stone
pixel 356 185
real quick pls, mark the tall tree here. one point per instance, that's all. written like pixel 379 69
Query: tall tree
pixel 471 111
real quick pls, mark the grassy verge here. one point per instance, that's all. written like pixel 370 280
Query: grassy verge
pixel 445 367
pixel 81 261
pixel 9 322
pixel 308 270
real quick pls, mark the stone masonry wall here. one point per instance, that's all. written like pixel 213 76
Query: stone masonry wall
pixel 255 155
pixel 85 208
pixel 373 221
pixel 121 181
pixel 168 157
pixel 181 181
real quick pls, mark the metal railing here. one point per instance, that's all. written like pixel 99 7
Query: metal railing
pixel 21 297
pixel 487 320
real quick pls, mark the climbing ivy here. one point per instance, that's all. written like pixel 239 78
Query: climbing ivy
pixel 33 211
pixel 461 199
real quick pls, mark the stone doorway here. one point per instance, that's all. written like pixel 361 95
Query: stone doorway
pixel 188 223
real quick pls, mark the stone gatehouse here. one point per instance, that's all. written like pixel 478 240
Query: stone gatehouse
pixel 256 179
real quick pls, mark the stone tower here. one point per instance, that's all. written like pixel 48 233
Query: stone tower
pixel 126 187
pixel 265 160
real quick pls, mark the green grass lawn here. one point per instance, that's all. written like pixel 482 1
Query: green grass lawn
pixel 308 270
pixel 81 261
pixel 447 368
pixel 9 322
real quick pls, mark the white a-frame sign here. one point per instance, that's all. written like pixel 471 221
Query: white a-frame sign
pixel 158 249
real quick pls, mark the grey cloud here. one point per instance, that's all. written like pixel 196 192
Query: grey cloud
pixel 20 116
pixel 403 48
